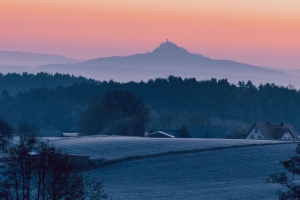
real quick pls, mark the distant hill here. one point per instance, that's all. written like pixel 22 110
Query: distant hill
pixel 170 59
pixel 294 72
pixel 15 58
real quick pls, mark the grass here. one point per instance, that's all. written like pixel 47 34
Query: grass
pixel 144 168
pixel 237 173
pixel 116 148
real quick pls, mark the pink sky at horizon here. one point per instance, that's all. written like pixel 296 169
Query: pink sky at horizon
pixel 258 32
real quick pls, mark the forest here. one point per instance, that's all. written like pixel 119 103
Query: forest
pixel 172 101
pixel 14 82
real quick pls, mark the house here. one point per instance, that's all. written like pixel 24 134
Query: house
pixel 205 131
pixel 272 131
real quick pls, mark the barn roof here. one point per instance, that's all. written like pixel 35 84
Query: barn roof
pixel 274 131
pixel 173 132
pixel 159 134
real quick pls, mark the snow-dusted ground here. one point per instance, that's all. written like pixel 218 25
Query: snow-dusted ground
pixel 115 148
pixel 206 169
pixel 234 173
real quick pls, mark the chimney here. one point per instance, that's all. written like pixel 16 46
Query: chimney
pixel 281 123
pixel 204 125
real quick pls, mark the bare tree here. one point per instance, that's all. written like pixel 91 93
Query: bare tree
pixel 290 180
pixel 6 133
pixel 26 130
pixel 37 170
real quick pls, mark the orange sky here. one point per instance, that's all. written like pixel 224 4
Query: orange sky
pixel 260 32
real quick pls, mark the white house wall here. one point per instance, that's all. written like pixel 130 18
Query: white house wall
pixel 287 136
pixel 255 136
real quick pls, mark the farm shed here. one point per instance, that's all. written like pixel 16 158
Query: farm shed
pixel 272 131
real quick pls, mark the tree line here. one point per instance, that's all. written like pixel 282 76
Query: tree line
pixel 172 101
pixel 14 82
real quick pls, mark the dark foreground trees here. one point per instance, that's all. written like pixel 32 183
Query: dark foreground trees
pixel 35 170
pixel 117 113
pixel 291 179
pixel 6 133
pixel 26 130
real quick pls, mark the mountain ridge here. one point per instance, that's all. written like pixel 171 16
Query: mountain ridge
pixel 164 52
pixel 169 56
pixel 169 59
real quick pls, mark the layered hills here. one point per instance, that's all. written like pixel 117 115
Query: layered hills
pixel 169 59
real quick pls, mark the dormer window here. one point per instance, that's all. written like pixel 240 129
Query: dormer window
pixel 256 129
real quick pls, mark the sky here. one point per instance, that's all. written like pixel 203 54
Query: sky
pixel 259 32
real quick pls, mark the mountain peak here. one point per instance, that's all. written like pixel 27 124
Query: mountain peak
pixel 169 48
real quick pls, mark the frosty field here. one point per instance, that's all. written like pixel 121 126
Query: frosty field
pixel 183 168
pixel 118 148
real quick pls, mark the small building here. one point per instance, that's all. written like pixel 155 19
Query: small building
pixel 272 131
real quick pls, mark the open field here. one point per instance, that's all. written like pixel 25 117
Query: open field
pixel 119 148
pixel 205 168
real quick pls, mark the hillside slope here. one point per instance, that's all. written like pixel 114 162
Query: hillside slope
pixel 111 149
pixel 221 169
pixel 233 174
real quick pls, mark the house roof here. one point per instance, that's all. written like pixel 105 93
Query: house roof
pixel 278 133
pixel 160 134
pixel 272 131
pixel 173 132
pixel 208 132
